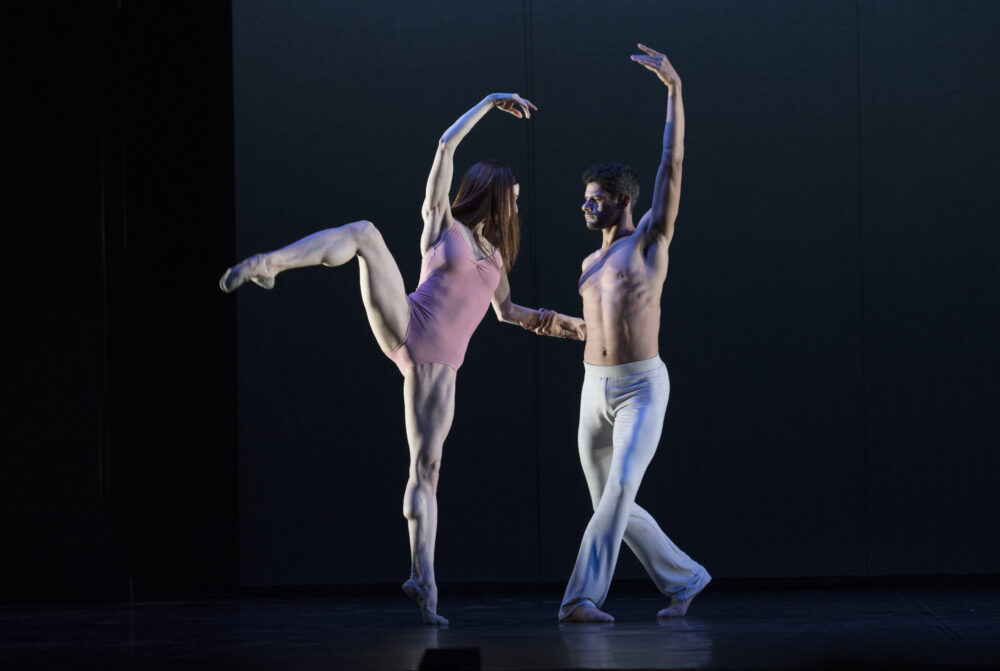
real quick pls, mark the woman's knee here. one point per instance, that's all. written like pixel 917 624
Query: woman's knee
pixel 425 469
pixel 365 231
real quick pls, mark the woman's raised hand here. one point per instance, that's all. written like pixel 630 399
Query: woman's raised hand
pixel 514 104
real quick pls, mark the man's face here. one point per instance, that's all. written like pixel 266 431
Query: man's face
pixel 600 210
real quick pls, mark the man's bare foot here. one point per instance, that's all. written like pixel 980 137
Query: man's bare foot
pixel 587 612
pixel 677 608
pixel 254 269
pixel 426 599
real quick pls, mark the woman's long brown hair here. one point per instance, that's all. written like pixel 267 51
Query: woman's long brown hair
pixel 487 194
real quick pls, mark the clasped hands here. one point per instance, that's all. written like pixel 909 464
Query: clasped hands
pixel 551 323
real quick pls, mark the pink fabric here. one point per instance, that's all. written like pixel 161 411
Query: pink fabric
pixel 453 296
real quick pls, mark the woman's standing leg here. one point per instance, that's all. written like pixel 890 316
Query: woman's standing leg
pixel 382 288
pixel 429 395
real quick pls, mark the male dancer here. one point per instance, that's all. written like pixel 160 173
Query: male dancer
pixel 625 388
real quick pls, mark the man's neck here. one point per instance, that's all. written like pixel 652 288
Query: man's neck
pixel 622 229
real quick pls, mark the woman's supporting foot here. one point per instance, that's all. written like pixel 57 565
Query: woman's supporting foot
pixel 255 269
pixel 426 598
pixel 588 612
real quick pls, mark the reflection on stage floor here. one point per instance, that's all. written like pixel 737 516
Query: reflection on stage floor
pixel 930 627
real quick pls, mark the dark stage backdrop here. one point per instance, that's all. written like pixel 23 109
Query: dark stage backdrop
pixel 829 321
pixel 118 440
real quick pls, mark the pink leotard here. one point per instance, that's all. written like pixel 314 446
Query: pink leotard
pixel 452 298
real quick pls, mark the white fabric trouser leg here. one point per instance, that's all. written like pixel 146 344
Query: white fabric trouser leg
pixel 621 417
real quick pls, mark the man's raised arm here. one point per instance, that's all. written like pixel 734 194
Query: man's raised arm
pixel 659 221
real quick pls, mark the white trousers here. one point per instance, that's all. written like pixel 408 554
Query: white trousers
pixel 621 418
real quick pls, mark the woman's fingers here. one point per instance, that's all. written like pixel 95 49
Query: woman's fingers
pixel 525 105
pixel 525 102
pixel 516 105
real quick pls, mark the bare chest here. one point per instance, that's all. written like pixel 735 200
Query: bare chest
pixel 617 278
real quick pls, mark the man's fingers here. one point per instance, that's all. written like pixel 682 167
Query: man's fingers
pixel 648 63
pixel 651 52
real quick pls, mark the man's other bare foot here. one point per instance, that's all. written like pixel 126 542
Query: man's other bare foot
pixel 426 599
pixel 254 269
pixel 587 612
pixel 677 608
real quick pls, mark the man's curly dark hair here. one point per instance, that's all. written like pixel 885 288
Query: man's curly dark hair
pixel 616 179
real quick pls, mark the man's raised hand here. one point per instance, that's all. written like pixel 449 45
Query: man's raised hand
pixel 656 62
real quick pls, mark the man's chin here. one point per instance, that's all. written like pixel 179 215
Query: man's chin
pixel 593 224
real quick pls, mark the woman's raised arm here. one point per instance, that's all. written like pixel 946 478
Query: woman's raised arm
pixel 436 209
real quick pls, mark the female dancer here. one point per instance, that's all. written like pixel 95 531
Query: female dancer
pixel 467 248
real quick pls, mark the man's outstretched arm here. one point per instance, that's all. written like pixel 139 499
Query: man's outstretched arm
pixel 659 221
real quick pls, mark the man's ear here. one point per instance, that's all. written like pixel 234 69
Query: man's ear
pixel 623 201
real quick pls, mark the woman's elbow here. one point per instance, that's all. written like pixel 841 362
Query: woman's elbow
pixel 445 146
pixel 505 314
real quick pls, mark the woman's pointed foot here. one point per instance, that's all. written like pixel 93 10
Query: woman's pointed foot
pixel 426 598
pixel 254 269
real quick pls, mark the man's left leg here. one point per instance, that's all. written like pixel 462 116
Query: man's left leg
pixel 595 562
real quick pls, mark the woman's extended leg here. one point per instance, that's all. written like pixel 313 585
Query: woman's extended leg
pixel 429 395
pixel 382 286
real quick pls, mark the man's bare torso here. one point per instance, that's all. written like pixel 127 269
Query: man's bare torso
pixel 621 288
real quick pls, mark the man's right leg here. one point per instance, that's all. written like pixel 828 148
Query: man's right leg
pixel 639 427
pixel 675 574
pixel 382 288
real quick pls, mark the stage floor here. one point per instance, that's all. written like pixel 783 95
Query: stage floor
pixel 932 627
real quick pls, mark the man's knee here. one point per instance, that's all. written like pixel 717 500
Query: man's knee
pixel 620 489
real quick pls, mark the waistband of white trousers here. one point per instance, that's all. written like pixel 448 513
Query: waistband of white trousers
pixel 623 369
